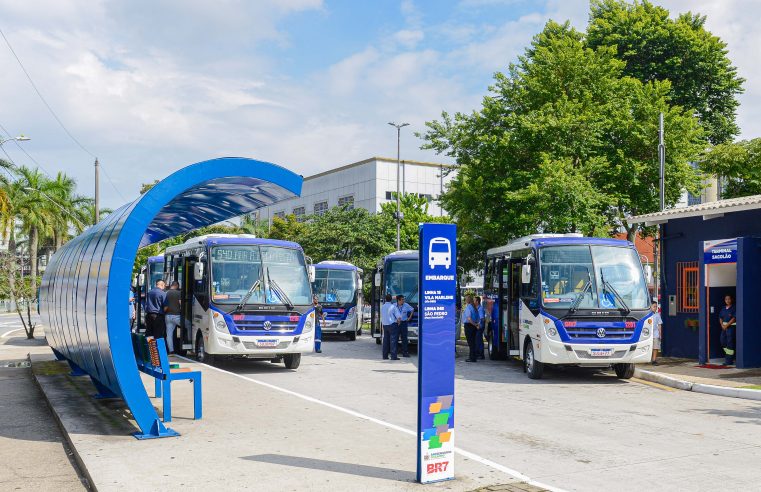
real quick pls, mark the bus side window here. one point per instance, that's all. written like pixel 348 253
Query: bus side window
pixel 495 273
pixel 201 289
pixel 530 291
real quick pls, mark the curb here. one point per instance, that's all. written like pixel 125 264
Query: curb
pixel 708 389
pixel 83 471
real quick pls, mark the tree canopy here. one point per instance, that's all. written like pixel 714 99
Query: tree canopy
pixel 564 142
pixel 738 165
pixel 681 50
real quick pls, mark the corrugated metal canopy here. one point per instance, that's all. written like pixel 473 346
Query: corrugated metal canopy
pixel 707 210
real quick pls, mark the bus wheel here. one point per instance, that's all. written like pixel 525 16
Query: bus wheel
pixel 292 361
pixel 201 355
pixel 532 367
pixel 351 335
pixel 624 371
pixel 359 328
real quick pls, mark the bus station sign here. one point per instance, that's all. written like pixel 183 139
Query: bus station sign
pixel 436 352
pixel 720 251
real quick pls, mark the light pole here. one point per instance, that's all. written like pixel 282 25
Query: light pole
pixel 20 138
pixel 398 127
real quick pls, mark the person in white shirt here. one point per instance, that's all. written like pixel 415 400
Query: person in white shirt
pixel 657 332
pixel 390 329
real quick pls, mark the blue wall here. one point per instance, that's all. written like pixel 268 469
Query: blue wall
pixel 682 242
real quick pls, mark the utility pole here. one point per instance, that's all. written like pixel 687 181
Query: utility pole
pixel 662 193
pixel 97 191
pixel 399 215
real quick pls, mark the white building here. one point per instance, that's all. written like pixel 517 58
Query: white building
pixel 366 184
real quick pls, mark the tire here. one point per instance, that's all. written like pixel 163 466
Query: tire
pixel 624 371
pixel 292 361
pixel 201 355
pixel 351 335
pixel 532 367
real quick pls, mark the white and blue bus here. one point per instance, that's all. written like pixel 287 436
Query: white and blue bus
pixel 397 273
pixel 243 296
pixel 338 286
pixel 569 300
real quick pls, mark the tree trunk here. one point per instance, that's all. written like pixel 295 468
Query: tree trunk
pixel 631 232
pixel 33 240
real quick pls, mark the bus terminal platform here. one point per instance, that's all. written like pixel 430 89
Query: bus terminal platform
pixel 251 437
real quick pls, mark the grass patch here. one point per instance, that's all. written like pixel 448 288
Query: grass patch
pixel 751 387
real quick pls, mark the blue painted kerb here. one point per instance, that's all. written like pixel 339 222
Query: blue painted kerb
pixel 84 292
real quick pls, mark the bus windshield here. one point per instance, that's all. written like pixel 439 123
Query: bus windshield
pixel 335 286
pixel 593 277
pixel 235 269
pixel 402 278
pixel 155 273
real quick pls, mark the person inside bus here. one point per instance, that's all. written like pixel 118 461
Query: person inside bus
pixel 390 329
pixel 657 332
pixel 172 314
pixel 132 314
pixel 480 332
pixel 471 327
pixel 154 311
pixel 727 318
pixel 405 311
pixel 319 317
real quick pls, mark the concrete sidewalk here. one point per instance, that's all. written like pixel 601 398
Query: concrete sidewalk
pixel 33 452
pixel 685 374
pixel 251 437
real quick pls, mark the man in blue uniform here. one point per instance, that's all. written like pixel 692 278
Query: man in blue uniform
pixel 480 308
pixel 405 311
pixel 154 311
pixel 727 318
pixel 319 317
pixel 390 329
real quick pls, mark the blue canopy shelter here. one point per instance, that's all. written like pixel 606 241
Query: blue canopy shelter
pixel 84 292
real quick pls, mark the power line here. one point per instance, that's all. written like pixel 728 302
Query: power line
pixel 66 130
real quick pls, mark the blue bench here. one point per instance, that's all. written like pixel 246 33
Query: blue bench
pixel 152 359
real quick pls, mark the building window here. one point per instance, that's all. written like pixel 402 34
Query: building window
pixel 320 208
pixel 346 201
pixel 300 213
pixel 687 287
pixel 389 195
pixel 279 215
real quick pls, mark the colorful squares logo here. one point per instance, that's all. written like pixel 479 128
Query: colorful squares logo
pixel 440 411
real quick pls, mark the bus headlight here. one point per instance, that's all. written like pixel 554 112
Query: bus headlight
pixel 549 329
pixel 221 326
pixel 351 312
pixel 645 332
pixel 309 323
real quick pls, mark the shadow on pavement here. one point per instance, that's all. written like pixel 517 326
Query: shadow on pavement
pixel 334 466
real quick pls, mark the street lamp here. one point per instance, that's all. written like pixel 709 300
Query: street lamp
pixel 20 138
pixel 398 127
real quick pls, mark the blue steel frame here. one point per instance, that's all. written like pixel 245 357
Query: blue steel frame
pixel 84 292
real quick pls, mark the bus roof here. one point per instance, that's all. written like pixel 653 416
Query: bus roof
pixel 403 254
pixel 245 239
pixel 539 240
pixel 156 259
pixel 336 265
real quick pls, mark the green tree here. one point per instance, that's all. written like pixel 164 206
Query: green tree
pixel 656 47
pixel 414 209
pixel 565 142
pixel 288 229
pixel 147 186
pixel 738 165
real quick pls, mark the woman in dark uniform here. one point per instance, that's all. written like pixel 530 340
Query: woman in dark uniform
pixel 728 320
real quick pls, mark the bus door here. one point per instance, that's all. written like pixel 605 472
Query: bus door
pixel 375 304
pixel 185 277
pixel 513 303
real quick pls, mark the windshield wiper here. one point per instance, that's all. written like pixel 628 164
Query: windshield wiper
pixel 607 286
pixel 246 297
pixel 279 292
pixel 580 296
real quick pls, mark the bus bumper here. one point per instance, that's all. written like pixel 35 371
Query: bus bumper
pixel 596 355
pixel 260 347
pixel 335 326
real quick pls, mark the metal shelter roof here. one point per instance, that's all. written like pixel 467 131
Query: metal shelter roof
pixel 709 210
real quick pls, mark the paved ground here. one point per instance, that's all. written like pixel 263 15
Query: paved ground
pixel 348 415
pixel 33 455
pixel 688 370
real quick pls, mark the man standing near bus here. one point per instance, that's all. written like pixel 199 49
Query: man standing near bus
pixel 406 312
pixel 481 327
pixel 471 327
pixel 319 317
pixel 657 332
pixel 390 329
pixel 172 314
pixel 154 311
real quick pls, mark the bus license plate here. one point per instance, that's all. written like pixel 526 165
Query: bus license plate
pixel 601 352
pixel 267 343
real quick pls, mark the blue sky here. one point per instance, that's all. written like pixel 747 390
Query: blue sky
pixel 149 87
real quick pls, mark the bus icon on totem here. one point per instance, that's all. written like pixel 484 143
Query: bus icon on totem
pixel 440 253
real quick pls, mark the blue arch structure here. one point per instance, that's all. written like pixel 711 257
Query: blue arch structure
pixel 84 292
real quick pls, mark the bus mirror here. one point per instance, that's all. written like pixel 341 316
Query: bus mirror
pixel 134 281
pixel 198 271
pixel 377 279
pixel 526 273
pixel 359 284
pixel 312 274
pixel 141 279
pixel 649 274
